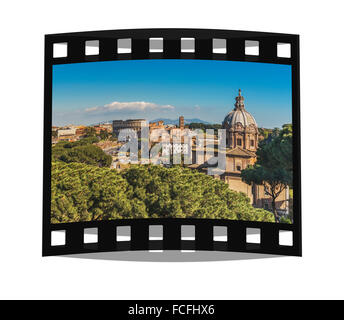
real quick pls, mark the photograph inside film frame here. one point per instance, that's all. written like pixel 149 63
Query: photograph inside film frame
pixel 171 139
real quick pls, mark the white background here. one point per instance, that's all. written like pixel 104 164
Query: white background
pixel 25 274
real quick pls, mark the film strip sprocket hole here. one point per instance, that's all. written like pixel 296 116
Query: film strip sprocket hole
pixel 185 234
pixel 156 45
pixel 173 235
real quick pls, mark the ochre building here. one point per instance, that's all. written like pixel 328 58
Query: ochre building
pixel 242 137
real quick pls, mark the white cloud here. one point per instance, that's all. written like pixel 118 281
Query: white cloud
pixel 128 106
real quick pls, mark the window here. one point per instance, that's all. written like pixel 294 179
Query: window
pixel 156 45
pixel 187 44
pixel 219 46
pixel 253 235
pixel 266 206
pixel 252 48
pixel 220 233
pixel 60 50
pixel 90 235
pixel 283 50
pixel 156 232
pixel 92 47
pixel 124 45
pixel 123 233
pixel 285 238
pixel 187 232
pixel 58 238
pixel 238 168
pixel 239 142
pixel 252 143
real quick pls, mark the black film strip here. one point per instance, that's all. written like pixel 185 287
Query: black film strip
pixel 203 44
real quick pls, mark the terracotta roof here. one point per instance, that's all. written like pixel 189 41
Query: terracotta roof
pixel 240 152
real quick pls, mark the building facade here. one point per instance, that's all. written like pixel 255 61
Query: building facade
pixel 134 124
pixel 242 138
pixel 67 134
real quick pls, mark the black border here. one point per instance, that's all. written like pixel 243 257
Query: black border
pixel 172 227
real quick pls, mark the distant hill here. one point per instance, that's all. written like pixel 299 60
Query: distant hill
pixel 100 123
pixel 176 121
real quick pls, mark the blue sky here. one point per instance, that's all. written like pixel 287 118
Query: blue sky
pixel 88 93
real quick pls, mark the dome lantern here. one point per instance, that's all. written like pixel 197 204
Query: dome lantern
pixel 239 101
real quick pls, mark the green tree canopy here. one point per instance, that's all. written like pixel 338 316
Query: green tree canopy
pixel 83 193
pixel 90 132
pixel 203 126
pixel 103 135
pixel 82 151
pixel 276 151
pixel 86 193
pixel 274 165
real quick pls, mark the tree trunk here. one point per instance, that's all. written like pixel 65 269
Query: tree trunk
pixel 274 211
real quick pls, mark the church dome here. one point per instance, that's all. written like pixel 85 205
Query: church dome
pixel 239 115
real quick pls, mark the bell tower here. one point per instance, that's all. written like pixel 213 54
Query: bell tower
pixel 181 122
